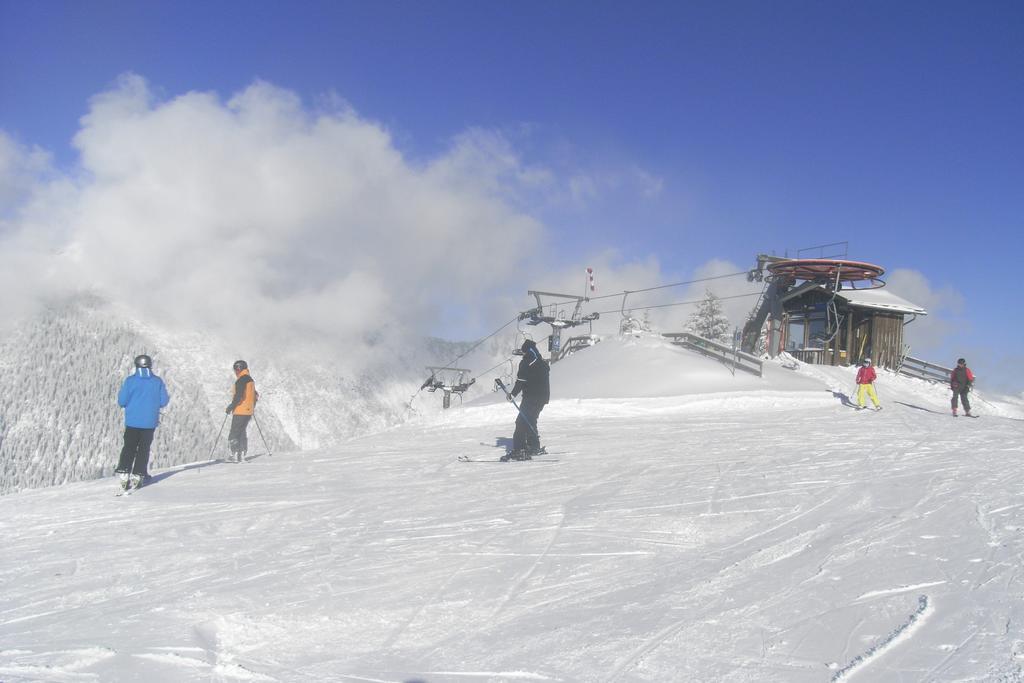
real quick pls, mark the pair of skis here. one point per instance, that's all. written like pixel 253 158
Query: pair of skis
pixel 532 458
pixel 464 458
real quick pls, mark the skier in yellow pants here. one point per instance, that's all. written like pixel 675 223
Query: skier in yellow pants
pixel 866 384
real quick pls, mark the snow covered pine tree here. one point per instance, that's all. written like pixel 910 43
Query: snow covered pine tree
pixel 708 321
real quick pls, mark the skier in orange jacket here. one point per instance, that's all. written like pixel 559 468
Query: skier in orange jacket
pixel 241 408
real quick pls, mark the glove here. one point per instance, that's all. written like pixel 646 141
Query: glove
pixel 228 410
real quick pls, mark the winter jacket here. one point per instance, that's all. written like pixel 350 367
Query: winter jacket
pixel 866 375
pixel 961 378
pixel 533 378
pixel 244 400
pixel 142 396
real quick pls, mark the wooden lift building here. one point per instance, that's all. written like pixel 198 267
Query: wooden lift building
pixel 828 311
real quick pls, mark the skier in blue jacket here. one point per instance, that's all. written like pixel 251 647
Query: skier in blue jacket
pixel 142 396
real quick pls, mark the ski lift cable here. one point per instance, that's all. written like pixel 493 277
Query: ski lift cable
pixel 679 303
pixel 494 367
pixel 474 347
pixel 639 308
pixel 623 294
pixel 451 365
pixel 674 284
pixel 472 381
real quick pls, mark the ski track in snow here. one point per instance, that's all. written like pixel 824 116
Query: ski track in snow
pixel 902 633
pixel 774 536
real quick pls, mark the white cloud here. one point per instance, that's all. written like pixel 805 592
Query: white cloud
pixel 21 168
pixel 584 189
pixel 928 335
pixel 256 216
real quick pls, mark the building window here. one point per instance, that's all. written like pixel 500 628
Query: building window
pixel 795 336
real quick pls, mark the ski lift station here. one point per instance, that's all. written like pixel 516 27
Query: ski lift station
pixel 828 311
pixel 825 310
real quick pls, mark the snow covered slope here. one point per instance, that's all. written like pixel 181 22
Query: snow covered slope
pixel 763 532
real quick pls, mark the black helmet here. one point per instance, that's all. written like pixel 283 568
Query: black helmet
pixel 239 365
pixel 143 361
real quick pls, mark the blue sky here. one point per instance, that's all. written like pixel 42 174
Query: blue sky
pixel 684 132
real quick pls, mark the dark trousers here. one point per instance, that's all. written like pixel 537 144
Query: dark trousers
pixel 135 453
pixel 962 395
pixel 526 438
pixel 236 437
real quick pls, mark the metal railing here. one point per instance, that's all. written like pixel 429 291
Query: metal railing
pixel 809 356
pixel 574 344
pixel 725 353
pixel 915 367
pixel 821 251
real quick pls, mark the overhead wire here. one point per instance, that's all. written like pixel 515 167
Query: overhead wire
pixel 474 347
pixel 674 284
pixel 451 364
pixel 680 303
pixel 627 292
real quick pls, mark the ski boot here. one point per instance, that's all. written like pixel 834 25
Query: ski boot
pixel 125 480
pixel 515 455
pixel 135 481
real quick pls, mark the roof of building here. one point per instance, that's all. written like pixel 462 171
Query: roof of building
pixel 880 299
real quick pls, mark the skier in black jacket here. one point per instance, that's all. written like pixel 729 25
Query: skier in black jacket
pixel 533 382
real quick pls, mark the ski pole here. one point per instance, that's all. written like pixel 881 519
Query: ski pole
pixel 511 400
pixel 265 445
pixel 210 457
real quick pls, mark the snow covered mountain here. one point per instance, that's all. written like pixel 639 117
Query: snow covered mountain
pixel 60 373
pixel 688 525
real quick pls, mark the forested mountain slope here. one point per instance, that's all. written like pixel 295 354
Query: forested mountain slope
pixel 60 373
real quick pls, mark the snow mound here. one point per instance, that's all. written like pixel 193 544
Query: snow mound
pixel 649 367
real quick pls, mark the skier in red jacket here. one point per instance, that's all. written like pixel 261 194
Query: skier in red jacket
pixel 960 381
pixel 866 384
